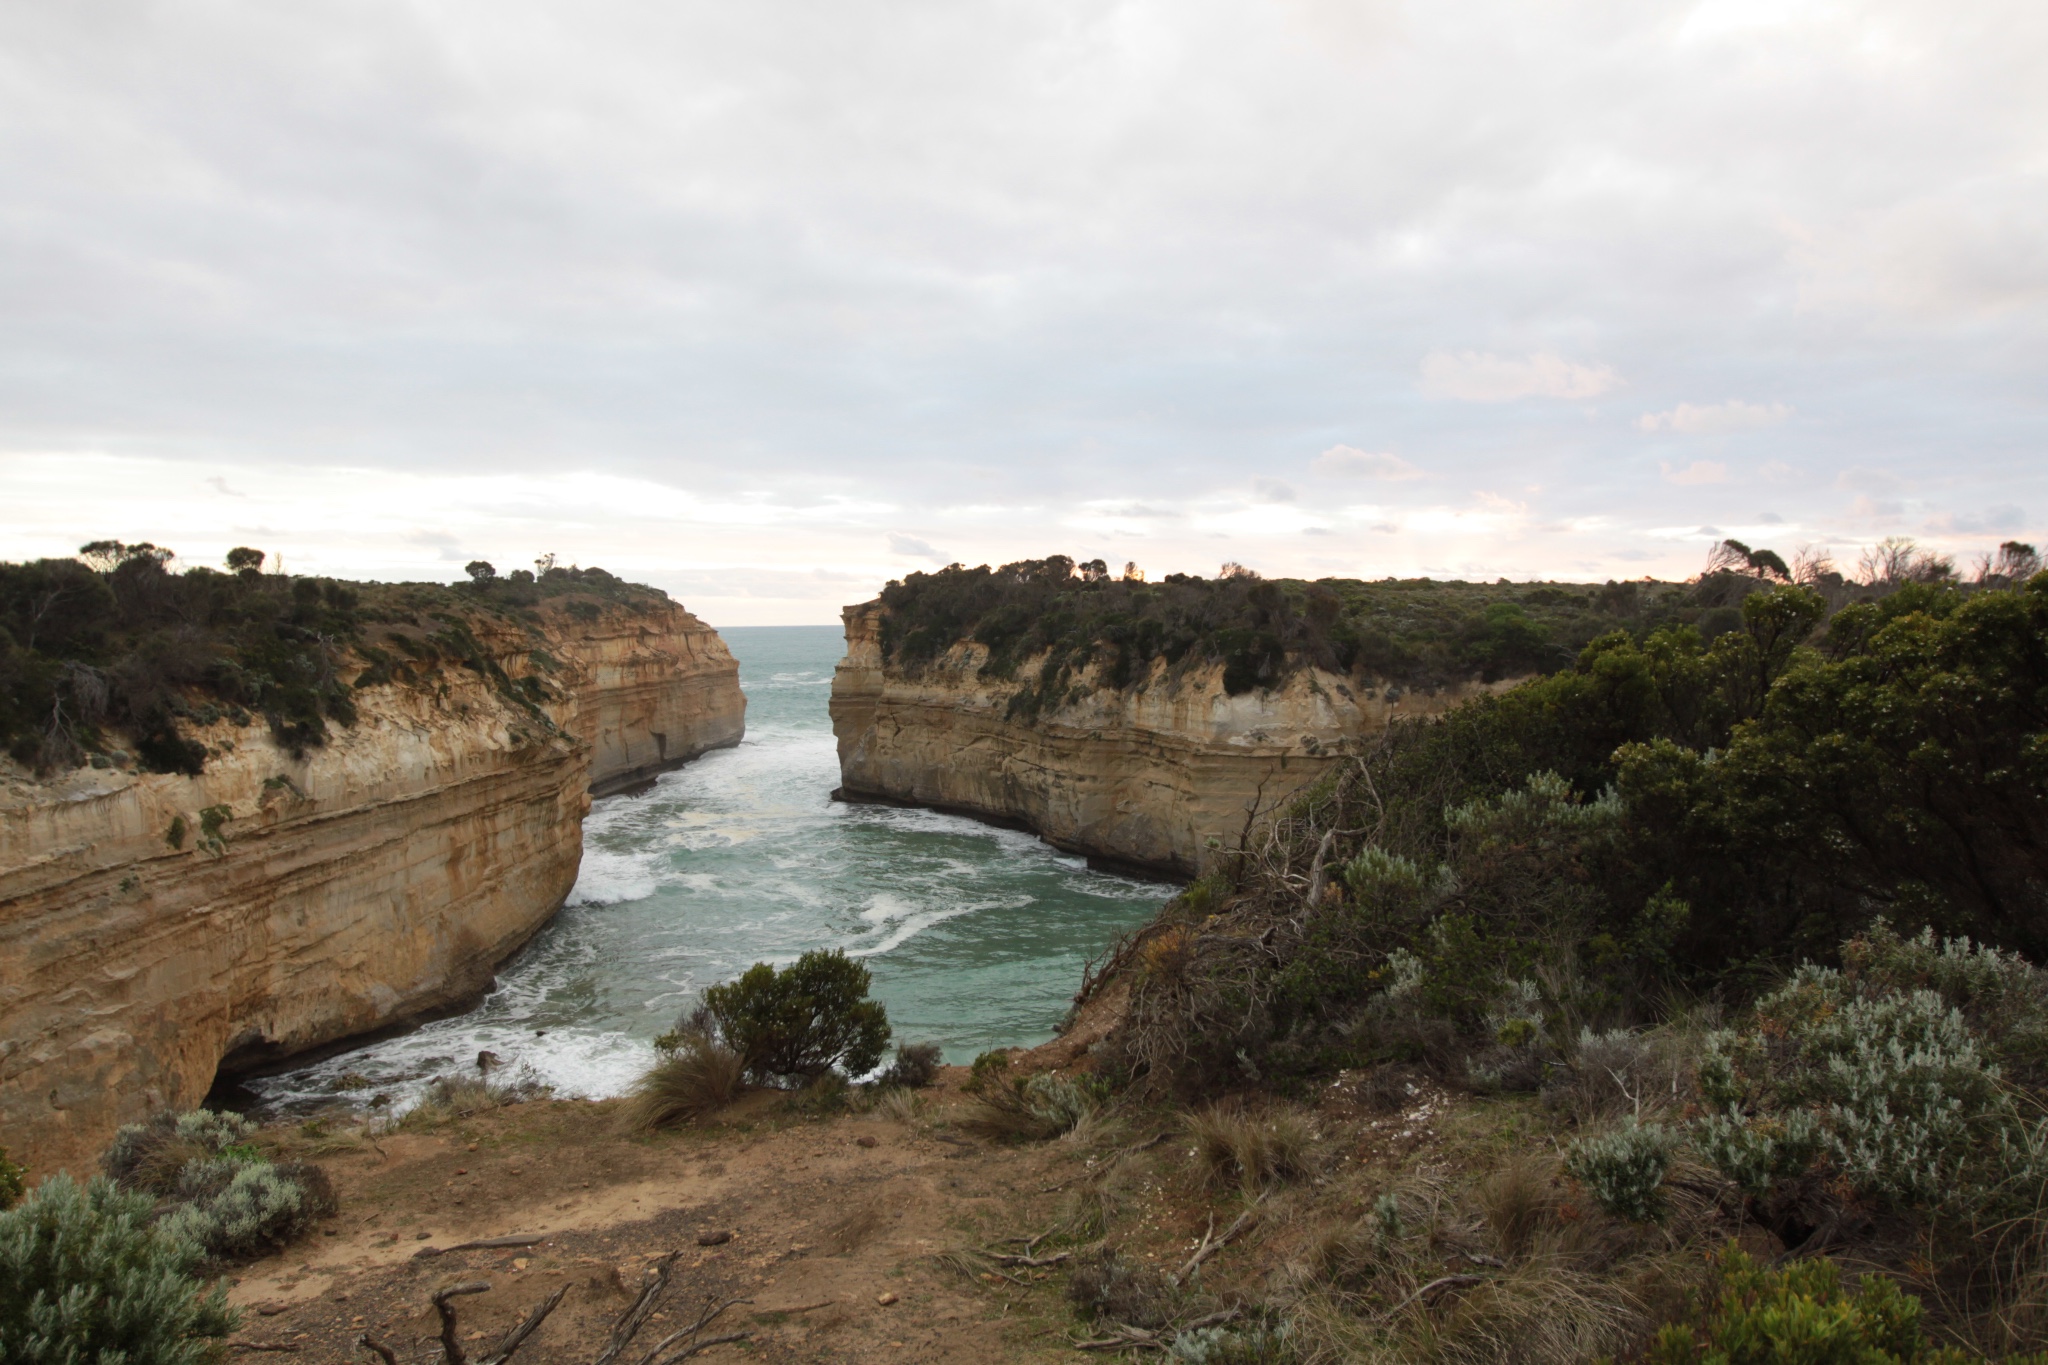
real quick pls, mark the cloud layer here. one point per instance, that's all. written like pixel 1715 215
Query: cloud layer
pixel 809 298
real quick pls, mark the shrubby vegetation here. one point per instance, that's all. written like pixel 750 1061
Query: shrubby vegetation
pixel 1392 633
pixel 799 1022
pixel 112 657
pixel 90 1276
pixel 1754 918
pixel 218 1193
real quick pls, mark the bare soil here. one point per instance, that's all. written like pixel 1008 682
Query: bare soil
pixel 837 1228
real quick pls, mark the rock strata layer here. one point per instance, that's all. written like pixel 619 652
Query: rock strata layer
pixel 1163 774
pixel 156 929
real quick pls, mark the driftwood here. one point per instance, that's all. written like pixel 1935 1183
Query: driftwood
pixel 672 1350
pixel 483 1244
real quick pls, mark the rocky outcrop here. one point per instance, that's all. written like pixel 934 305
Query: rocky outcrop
pixel 1162 774
pixel 157 929
pixel 653 689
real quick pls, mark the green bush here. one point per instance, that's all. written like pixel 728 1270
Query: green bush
pixel 1799 1315
pixel 239 1206
pixel 1624 1169
pixel 221 1194
pixel 1890 1086
pixel 801 1021
pixel 915 1067
pixel 89 1280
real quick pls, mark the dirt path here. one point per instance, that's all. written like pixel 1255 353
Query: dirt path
pixel 837 1232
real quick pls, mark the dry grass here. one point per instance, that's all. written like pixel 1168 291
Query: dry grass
pixel 1255 1150
pixel 697 1077
pixel 853 1230
pixel 1043 1107
pixel 1518 1202
pixel 901 1106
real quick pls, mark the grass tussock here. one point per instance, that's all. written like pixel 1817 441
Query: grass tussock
pixel 1253 1150
pixel 1033 1110
pixel 697 1076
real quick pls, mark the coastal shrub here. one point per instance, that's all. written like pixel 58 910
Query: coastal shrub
pixel 1109 1286
pixel 916 1066
pixel 218 1191
pixel 91 1280
pixel 114 656
pixel 693 1074
pixel 1890 1086
pixel 801 1021
pixel 1254 1343
pixel 1756 1315
pixel 1624 1169
pixel 238 1206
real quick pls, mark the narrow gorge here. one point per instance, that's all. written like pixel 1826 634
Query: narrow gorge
pixel 159 929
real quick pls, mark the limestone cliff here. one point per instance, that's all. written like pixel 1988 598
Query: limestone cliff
pixel 1159 774
pixel 653 689
pixel 156 929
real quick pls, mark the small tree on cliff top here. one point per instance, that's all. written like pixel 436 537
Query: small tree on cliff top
pixel 802 1021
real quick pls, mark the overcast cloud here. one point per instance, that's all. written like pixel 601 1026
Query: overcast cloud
pixel 766 303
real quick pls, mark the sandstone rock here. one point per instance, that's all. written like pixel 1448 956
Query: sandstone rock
pixel 1148 775
pixel 375 879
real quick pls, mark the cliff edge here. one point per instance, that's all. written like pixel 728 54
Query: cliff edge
pixel 1160 773
pixel 159 929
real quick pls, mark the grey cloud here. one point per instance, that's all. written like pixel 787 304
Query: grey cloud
pixel 1030 256
pixel 911 545
pixel 1272 490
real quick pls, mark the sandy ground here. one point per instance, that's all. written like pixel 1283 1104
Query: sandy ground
pixel 837 1228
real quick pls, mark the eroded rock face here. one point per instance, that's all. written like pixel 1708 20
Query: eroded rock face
pixel 153 926
pixel 659 688
pixel 1148 775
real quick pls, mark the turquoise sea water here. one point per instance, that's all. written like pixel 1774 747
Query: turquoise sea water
pixel 976 935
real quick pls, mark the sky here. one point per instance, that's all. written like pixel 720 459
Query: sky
pixel 768 303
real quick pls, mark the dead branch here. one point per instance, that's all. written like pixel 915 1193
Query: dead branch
pixel 483 1244
pixel 1317 873
pixel 1031 1262
pixel 369 1343
pixel 712 1310
pixel 1431 1291
pixel 288 1346
pixel 519 1334
pixel 451 1329
pixel 1125 1338
pixel 653 1280
pixel 1212 1244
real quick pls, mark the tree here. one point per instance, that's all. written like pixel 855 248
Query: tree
pixel 480 571
pixel 803 1020
pixel 242 559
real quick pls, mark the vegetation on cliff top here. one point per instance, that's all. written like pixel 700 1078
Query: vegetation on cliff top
pixel 115 646
pixel 1403 633
pixel 1744 912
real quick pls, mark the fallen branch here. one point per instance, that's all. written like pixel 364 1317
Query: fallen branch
pixel 1030 1262
pixel 653 1280
pixel 1211 1245
pixel 525 1329
pixel 1127 1338
pixel 1435 1288
pixel 711 1312
pixel 451 1330
pixel 483 1244
pixel 262 1346
pixel 369 1343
